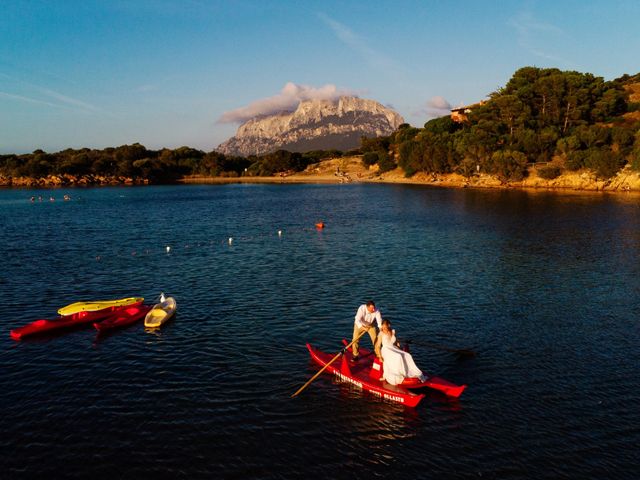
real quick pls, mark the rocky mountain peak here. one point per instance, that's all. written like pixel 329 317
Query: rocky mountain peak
pixel 314 125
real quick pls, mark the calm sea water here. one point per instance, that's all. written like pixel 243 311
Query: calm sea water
pixel 544 287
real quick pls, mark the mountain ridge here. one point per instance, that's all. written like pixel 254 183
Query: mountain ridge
pixel 314 125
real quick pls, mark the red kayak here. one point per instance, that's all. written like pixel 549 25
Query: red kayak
pixel 123 317
pixel 62 322
pixel 435 383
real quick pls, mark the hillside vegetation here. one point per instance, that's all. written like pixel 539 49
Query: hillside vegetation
pixel 557 120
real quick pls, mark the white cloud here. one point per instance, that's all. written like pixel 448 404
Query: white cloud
pixel 435 107
pixel 286 101
pixel 438 103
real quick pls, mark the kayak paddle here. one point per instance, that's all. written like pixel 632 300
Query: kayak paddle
pixel 338 355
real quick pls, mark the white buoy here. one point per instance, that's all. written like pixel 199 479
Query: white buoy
pixel 279 233
pixel 168 248
pixel 230 240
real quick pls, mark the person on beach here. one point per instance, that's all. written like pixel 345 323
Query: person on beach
pixel 396 363
pixel 367 319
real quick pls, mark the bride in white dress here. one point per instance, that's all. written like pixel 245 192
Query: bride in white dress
pixel 397 364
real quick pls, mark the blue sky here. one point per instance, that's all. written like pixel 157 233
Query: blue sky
pixel 171 73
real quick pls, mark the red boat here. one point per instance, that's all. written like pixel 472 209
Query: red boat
pixel 122 318
pixel 43 326
pixel 366 374
pixel 435 383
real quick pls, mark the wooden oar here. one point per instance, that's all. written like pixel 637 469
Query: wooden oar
pixel 465 352
pixel 329 363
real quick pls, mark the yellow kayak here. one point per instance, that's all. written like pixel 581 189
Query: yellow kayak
pixel 98 305
pixel 161 312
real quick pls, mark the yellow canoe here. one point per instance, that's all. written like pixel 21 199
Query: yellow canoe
pixel 161 312
pixel 98 305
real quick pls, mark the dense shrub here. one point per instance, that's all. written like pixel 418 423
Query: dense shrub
pixel 385 163
pixel 623 139
pixel 370 158
pixel 377 144
pixel 508 165
pixel 467 167
pixel 635 153
pixel 635 160
pixel 633 106
pixel 575 160
pixel 605 163
pixel 549 172
pixel 442 125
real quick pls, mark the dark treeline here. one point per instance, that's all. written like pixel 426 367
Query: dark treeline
pixel 158 166
pixel 564 120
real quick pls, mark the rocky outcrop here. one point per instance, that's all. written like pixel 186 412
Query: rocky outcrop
pixel 314 125
pixel 69 180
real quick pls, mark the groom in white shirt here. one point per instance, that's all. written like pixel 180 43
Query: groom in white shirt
pixel 367 319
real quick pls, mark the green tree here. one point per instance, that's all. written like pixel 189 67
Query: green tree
pixel 635 153
pixel 370 158
pixel 622 138
pixel 442 125
pixel 404 133
pixel 385 163
pixel 508 165
pixel 376 144
pixel 604 162
pixel 410 157
pixel 467 167
pixel 76 164
pixel 124 157
pixel 576 160
pixel 549 172
pixel 567 145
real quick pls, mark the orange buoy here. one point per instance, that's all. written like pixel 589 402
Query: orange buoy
pixel 320 225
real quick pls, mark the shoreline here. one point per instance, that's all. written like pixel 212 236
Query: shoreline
pixel 487 183
pixel 347 170
pixel 350 170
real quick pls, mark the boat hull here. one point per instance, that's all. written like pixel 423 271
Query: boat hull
pixel 46 326
pixel 160 313
pixel 435 383
pixel 122 318
pixel 357 374
pixel 95 305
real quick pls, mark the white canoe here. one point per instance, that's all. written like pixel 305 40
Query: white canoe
pixel 161 312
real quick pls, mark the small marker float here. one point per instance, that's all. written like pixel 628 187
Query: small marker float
pixel 320 225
